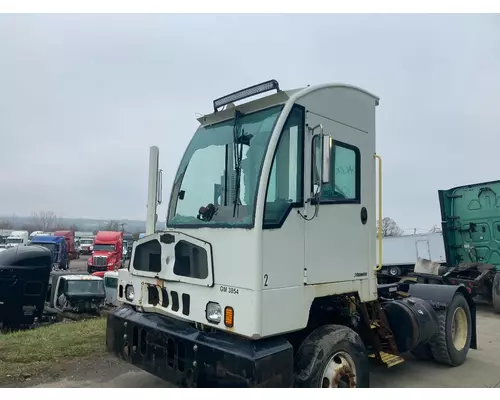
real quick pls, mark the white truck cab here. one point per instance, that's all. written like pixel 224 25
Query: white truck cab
pixel 33 234
pixel 269 251
pixel 17 238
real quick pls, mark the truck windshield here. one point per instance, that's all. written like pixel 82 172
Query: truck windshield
pixel 86 241
pixel 206 190
pixel 51 246
pixel 84 287
pixel 14 240
pixel 104 247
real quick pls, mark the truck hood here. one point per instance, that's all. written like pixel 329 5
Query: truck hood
pixel 470 217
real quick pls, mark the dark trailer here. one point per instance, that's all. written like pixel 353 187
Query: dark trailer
pixel 24 277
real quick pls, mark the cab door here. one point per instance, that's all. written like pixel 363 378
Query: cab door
pixel 337 239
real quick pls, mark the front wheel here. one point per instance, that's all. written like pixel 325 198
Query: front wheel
pixel 451 343
pixel 332 356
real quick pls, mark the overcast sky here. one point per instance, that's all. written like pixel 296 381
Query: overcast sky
pixel 83 97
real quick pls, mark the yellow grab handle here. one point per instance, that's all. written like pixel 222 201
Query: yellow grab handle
pixel 379 266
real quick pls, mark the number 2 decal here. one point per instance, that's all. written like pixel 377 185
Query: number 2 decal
pixel 266 279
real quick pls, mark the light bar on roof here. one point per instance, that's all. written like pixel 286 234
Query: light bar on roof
pixel 248 92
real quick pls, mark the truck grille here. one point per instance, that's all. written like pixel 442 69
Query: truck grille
pixel 154 299
pixel 100 261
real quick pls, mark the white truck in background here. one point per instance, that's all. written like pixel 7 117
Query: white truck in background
pixel 4 234
pixel 400 253
pixel 17 238
pixel 33 234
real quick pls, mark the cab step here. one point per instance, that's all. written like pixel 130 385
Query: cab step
pixel 390 360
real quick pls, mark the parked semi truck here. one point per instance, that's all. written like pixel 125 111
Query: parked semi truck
pixel 58 249
pixel 24 277
pixel 86 245
pixel 471 231
pixel 4 234
pixel 466 254
pixel 264 276
pixel 70 243
pixel 33 234
pixel 17 238
pixel 107 252
pixel 400 253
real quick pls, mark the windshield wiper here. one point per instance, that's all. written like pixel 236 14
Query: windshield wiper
pixel 243 139
pixel 238 155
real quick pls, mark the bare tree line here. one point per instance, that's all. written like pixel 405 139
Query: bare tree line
pixel 48 221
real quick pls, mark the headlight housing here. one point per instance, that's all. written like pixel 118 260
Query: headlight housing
pixel 213 313
pixel 129 293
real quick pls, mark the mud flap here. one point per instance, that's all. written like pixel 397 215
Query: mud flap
pixel 440 296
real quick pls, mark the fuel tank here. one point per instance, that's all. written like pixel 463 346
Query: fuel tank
pixel 413 321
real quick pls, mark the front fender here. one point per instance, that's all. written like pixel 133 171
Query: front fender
pixel 440 297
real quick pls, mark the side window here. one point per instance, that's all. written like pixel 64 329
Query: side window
pixel 344 172
pixel 285 185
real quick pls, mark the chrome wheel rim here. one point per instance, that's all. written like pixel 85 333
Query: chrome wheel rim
pixel 340 372
pixel 459 328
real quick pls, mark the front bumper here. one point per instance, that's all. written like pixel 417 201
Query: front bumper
pixel 94 268
pixel 180 354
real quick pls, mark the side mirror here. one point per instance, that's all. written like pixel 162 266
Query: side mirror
pixel 325 159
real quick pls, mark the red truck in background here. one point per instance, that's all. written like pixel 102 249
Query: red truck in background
pixel 108 252
pixel 69 237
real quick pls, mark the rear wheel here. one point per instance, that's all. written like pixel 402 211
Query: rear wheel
pixel 452 342
pixel 332 356
pixel 394 271
pixel 495 295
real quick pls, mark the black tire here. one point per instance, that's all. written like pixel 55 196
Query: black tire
pixel 320 346
pixel 423 352
pixel 495 295
pixel 89 270
pixel 441 345
pixel 394 271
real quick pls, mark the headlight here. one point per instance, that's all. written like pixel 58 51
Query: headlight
pixel 213 313
pixel 129 293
